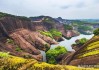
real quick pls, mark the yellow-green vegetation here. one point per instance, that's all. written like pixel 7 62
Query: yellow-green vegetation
pixel 47 33
pixel 53 53
pixel 91 48
pixel 83 40
pixel 18 63
pixel 55 33
pixel 52 33
pixel 80 42
pixel 12 62
pixel 46 66
pixel 92 45
pixel 95 52
pixel 4 55
pixel 89 51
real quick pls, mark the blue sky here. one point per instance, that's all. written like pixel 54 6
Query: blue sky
pixel 68 9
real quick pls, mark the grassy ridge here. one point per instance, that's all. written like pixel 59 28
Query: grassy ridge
pixel 18 63
pixel 91 49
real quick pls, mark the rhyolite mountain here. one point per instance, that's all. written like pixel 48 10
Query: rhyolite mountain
pixel 86 56
pixel 21 37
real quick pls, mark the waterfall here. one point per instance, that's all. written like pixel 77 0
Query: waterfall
pixel 44 55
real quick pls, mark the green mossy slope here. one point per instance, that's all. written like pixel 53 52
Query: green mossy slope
pixel 17 63
pixel 91 49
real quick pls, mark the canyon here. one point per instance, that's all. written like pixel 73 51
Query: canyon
pixel 23 34
pixel 25 37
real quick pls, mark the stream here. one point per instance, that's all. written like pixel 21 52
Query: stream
pixel 67 43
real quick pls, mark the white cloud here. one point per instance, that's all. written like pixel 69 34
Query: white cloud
pixel 54 8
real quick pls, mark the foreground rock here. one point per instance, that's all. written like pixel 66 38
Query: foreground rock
pixel 17 63
pixel 88 54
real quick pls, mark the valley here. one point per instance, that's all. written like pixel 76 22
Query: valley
pixel 25 42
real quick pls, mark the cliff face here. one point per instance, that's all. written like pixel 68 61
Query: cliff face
pixel 50 23
pixel 22 35
pixel 18 34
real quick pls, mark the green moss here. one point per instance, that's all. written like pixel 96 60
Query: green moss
pixel 53 53
pixel 4 54
pixel 47 33
pixel 18 49
pixel 55 33
pixel 80 42
pixel 52 33
pixel 12 63
pixel 61 49
pixel 83 40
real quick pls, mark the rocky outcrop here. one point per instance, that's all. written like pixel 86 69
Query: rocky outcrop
pixel 88 54
pixel 70 33
pixel 66 33
pixel 24 36
pixel 64 57
pixel 17 63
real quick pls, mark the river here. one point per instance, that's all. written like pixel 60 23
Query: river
pixel 67 43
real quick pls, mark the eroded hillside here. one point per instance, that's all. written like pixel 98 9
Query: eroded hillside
pixel 88 54
pixel 22 37
pixel 8 62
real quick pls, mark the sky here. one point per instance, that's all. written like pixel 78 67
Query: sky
pixel 67 9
